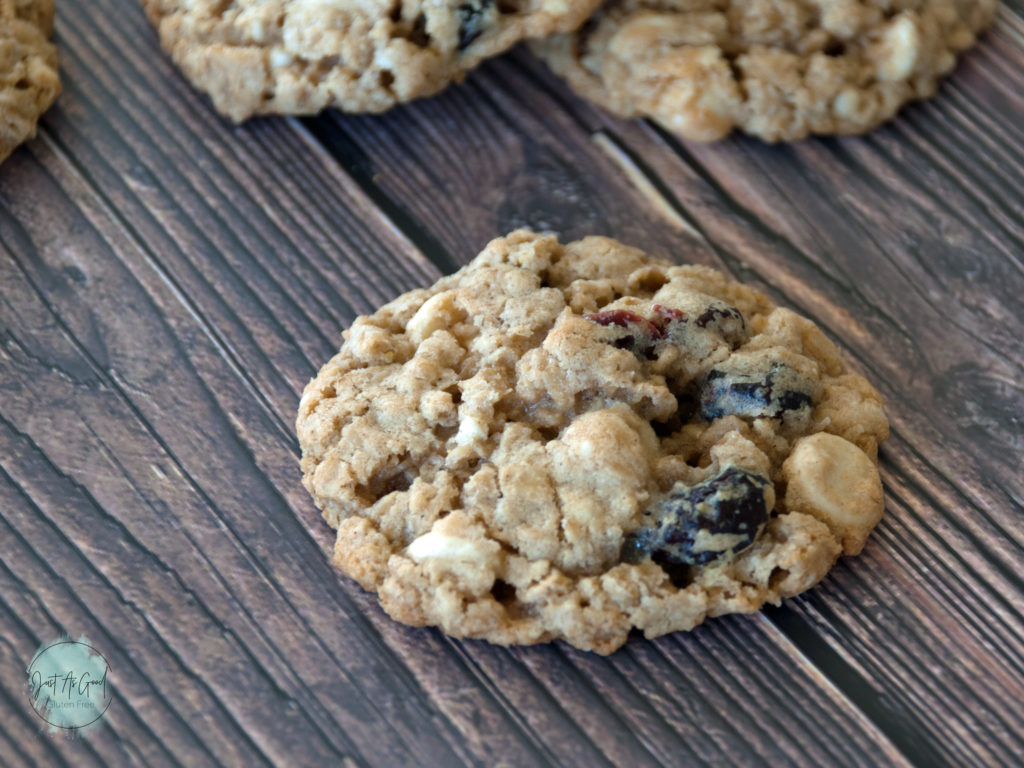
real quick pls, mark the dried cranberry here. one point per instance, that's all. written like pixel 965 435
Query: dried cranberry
pixel 666 326
pixel 624 318
pixel 713 314
pixel 726 321
pixel 471 21
pixel 669 315
pixel 754 395
pixel 699 524
pixel 642 335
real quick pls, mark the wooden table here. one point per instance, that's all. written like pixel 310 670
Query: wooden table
pixel 169 282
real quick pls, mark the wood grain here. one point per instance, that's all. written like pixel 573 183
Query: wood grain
pixel 169 282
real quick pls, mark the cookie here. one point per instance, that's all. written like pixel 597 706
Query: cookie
pixel 301 56
pixel 28 69
pixel 777 69
pixel 570 441
pixel 39 13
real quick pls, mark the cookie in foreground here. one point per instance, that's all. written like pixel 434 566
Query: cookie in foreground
pixel 776 70
pixel 29 83
pixel 569 441
pixel 302 56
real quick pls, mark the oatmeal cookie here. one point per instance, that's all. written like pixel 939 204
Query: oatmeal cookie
pixel 39 13
pixel 28 69
pixel 777 69
pixel 301 56
pixel 569 441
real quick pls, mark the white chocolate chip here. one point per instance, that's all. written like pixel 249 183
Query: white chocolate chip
pixel 848 104
pixel 835 481
pixel 898 50
pixel 471 430
pixel 437 312
pixel 279 58
pixel 258 30
pixel 440 545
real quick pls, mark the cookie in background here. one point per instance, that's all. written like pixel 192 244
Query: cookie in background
pixel 29 83
pixel 301 56
pixel 776 70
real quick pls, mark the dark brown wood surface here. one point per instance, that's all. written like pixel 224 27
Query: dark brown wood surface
pixel 169 282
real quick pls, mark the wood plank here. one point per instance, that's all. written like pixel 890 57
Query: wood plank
pixel 169 282
pixel 125 380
